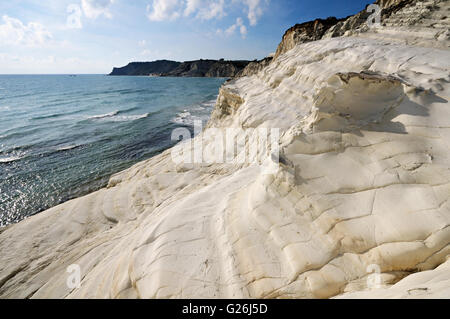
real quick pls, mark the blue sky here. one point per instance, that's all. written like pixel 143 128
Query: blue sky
pixel 92 36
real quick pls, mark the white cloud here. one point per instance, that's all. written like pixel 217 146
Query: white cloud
pixel 162 10
pixel 230 30
pixel 243 31
pixel 142 43
pixel 239 25
pixel 255 11
pixel 212 9
pixel 14 32
pixel 192 6
pixel 94 8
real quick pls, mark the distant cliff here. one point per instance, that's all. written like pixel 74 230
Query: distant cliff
pixel 146 68
pixel 198 68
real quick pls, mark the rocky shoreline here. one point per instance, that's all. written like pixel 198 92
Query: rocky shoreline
pixel 358 207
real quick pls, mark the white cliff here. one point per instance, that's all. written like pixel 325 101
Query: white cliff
pixel 363 184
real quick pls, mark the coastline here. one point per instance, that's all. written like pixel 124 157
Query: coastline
pixel 117 122
pixel 197 68
pixel 363 181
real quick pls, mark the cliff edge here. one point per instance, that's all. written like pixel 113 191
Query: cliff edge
pixel 351 201
pixel 404 21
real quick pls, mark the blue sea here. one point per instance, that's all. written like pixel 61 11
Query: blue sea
pixel 63 136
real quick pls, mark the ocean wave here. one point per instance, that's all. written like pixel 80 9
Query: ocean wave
pixel 101 116
pixel 204 106
pixel 186 118
pixel 66 148
pixel 197 112
pixel 210 103
pixel 117 117
pixel 125 118
pixel 11 159
pixel 92 117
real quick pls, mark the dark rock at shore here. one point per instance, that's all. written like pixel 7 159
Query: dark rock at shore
pixel 198 68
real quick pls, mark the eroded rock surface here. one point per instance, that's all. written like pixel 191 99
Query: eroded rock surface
pixel 407 21
pixel 363 183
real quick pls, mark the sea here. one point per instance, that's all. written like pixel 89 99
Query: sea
pixel 63 136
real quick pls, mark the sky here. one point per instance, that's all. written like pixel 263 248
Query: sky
pixel 93 36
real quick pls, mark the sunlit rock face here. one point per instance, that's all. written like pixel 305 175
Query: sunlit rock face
pixel 362 189
pixel 405 21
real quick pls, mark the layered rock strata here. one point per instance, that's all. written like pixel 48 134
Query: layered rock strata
pixel 362 188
